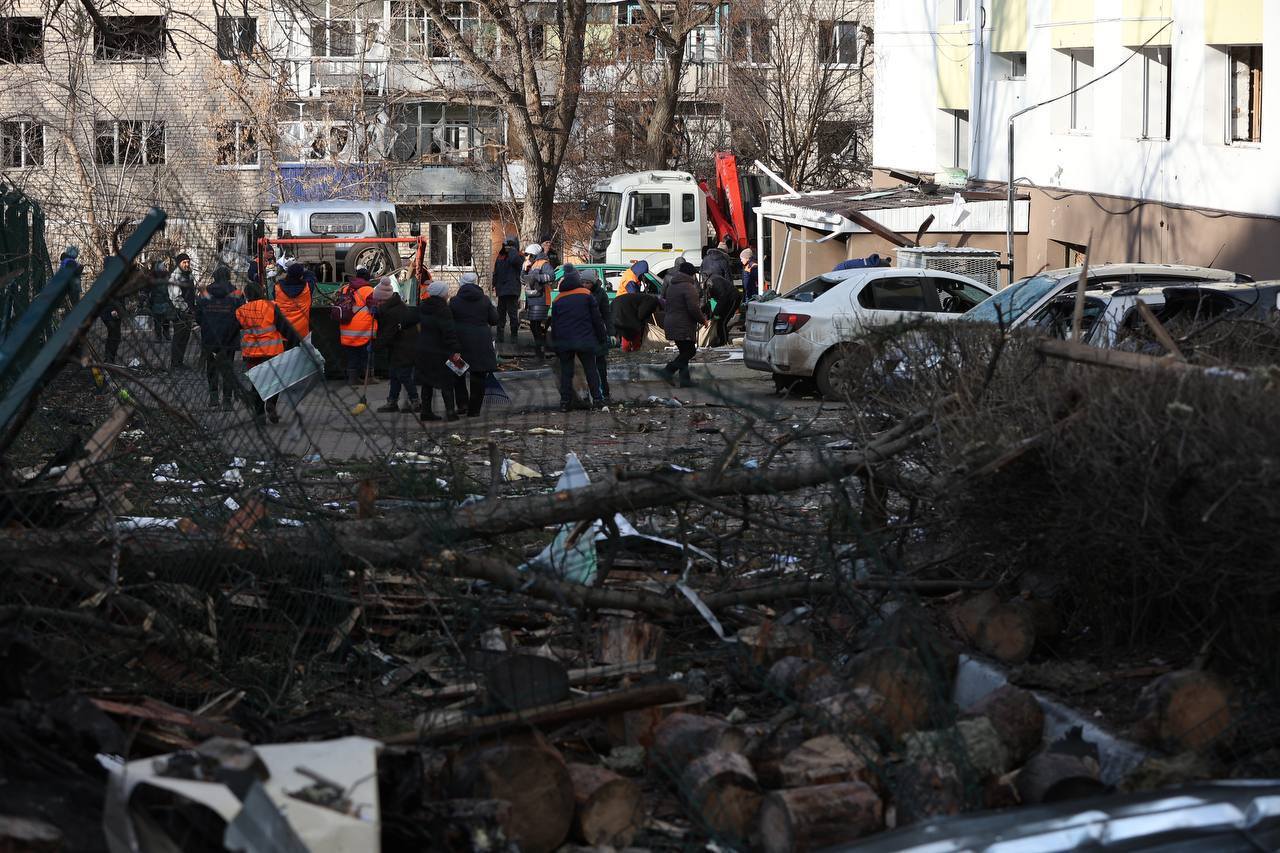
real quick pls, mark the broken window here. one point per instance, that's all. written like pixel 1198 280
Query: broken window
pixel 1244 64
pixel 21 144
pixel 236 36
pixel 464 16
pixel 838 42
pixel 443 133
pixel 749 41
pixel 838 140
pixel 21 40
pixel 450 244
pixel 237 144
pixel 125 38
pixel 129 143
pixel 635 42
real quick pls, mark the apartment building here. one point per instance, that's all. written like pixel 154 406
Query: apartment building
pixel 1142 128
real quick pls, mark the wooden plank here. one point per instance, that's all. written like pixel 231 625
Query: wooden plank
pixel 1157 328
pixel 96 448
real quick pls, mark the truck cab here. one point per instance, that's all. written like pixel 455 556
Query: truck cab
pixel 654 216
pixel 358 220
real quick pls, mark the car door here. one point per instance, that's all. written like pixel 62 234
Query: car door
pixel 888 299
pixel 952 295
pixel 648 221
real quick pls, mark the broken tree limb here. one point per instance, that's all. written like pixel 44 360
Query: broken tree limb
pixel 1085 354
pixel 577 677
pixel 548 715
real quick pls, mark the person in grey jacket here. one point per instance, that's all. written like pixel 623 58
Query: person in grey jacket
pixel 473 317
pixel 537 282
pixel 681 321
pixel 182 294
pixel 716 261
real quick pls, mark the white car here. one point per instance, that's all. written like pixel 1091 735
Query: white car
pixel 800 334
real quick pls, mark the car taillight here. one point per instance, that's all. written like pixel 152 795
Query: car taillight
pixel 785 324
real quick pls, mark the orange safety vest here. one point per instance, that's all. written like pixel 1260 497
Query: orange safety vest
pixel 296 309
pixel 422 287
pixel 363 326
pixel 628 277
pixel 259 337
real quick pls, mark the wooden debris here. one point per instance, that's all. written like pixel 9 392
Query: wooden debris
pixel 761 646
pixel 1184 710
pixel 816 817
pixel 792 677
pixel 517 682
pixel 1017 717
pixel 637 727
pixel 609 808
pixel 681 738
pixel 533 778
pixel 828 759
pixel 911 697
pixel 973 745
pixel 1009 632
pixel 770 745
pixel 925 789
pixel 1051 777
pixel 968 614
pixel 466 826
pixel 857 711
pixel 629 641
pixel 723 792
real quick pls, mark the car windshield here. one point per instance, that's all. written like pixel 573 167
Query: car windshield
pixel 1012 302
pixel 812 289
pixel 607 208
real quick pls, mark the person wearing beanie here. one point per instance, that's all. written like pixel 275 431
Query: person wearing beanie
pixel 592 282
pixel 716 261
pixel 750 275
pixel 293 298
pixel 506 286
pixel 357 329
pixel 681 320
pixel 219 337
pixel 577 331
pixel 437 344
pixel 263 334
pixel 537 282
pixel 69 256
pixel 182 294
pixel 475 317
pixel 398 335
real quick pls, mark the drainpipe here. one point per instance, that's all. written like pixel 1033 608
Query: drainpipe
pixel 976 87
pixel 1012 195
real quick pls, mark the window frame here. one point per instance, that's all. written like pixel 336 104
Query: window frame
pixel 450 261
pixel 868 290
pixel 237 126
pixel 665 195
pixel 1148 56
pixel 744 37
pixel 24 128
pixel 1076 105
pixel 100 49
pixel 35 55
pixel 1256 83
pixel 146 128
pixel 830 43
pixel 240 41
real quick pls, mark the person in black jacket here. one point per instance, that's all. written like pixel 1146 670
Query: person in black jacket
pixel 158 302
pixel 727 301
pixel 716 261
pixel 398 335
pixel 219 337
pixel 506 286
pixel 631 313
pixel 681 319
pixel 437 343
pixel 601 294
pixel 474 316
pixel 577 330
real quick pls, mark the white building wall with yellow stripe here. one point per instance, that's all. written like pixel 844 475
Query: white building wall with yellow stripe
pixel 1103 140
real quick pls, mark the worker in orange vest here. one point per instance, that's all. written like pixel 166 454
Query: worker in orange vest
pixel 293 297
pixel 357 325
pixel 423 284
pixel 263 333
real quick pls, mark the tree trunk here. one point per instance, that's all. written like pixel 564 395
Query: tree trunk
pixel 818 817
pixel 793 677
pixel 924 789
pixel 723 792
pixel 658 133
pixel 625 640
pixel 1009 632
pixel 1054 776
pixel 609 807
pixel 638 727
pixel 859 711
pixel 534 779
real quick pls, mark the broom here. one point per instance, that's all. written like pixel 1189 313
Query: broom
pixel 360 407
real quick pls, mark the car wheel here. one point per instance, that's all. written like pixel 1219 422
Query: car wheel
pixel 835 373
pixel 372 256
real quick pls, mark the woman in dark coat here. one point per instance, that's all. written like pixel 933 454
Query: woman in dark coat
pixel 474 316
pixel 437 344
pixel 158 303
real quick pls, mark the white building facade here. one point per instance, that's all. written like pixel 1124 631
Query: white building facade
pixel 1148 133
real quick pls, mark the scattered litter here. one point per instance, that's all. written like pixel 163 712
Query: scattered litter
pixel 133 434
pixel 168 469
pixel 570 556
pixel 238 462
pixel 314 457
pixel 680 468
pixel 669 402
pixel 139 522
pixel 408 457
pixel 704 611
pixel 457 439
pixel 230 503
pixel 842 444
pixel 502 432
pixel 271 493
pixel 751 464
pixel 233 477
pixel 512 471
pixel 135 363
pixel 546 431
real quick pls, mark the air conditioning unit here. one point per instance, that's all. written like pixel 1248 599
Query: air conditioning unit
pixel 981 265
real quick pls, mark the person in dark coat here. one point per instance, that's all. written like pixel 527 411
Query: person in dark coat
pixel 398 335
pixel 269 258
pixel 681 319
pixel 577 331
pixel 506 286
pixel 727 302
pixel 437 343
pixel 631 313
pixel 601 293
pixel 474 316
pixel 716 261
pixel 158 303
pixel 219 337
pixel 182 293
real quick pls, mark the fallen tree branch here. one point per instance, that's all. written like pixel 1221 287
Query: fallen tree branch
pixel 1086 354
pixel 13 613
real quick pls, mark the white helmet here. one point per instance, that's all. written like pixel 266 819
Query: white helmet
pixel 533 249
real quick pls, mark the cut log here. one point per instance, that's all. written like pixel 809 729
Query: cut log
pixel 1009 632
pixel 609 809
pixel 460 826
pixel 768 750
pixel 1017 717
pixel 816 817
pixel 968 614
pixel 723 793
pixel 1052 777
pixel 1184 710
pixel 855 712
pixel 911 628
pixel 789 677
pixel 912 699
pixel 26 835
pixel 761 646
pixel 925 789
pixel 972 746
pixel 829 759
pixel 533 779
pixel 637 727
pixel 681 738
pixel 623 641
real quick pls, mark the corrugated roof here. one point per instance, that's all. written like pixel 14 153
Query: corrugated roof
pixel 844 202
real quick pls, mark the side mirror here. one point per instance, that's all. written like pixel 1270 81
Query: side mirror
pixel 631 214
pixel 584 205
pixel 415 228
